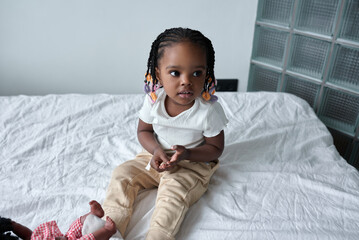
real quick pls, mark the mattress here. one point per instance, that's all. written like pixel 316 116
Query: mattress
pixel 280 176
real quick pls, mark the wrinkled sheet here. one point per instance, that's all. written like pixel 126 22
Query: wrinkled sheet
pixel 280 176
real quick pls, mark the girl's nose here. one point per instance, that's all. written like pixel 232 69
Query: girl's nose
pixel 186 80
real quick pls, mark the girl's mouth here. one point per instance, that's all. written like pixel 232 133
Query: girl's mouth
pixel 185 94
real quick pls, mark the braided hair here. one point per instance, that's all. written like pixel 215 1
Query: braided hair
pixel 177 35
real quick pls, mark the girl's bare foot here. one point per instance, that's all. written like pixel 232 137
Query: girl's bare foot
pixel 107 231
pixel 110 226
pixel 96 209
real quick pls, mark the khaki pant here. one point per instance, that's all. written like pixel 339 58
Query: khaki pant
pixel 178 190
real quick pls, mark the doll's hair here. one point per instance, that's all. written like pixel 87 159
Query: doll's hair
pixel 177 35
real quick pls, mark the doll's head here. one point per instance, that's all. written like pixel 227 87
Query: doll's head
pixel 167 39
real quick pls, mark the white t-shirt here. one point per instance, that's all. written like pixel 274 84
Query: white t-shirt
pixel 187 128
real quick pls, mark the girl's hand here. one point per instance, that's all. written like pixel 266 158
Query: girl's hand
pixel 160 160
pixel 181 153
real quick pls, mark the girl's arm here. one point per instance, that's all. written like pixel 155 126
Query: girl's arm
pixel 145 135
pixel 211 150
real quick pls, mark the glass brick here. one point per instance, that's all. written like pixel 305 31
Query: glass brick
pixel 350 25
pixel 269 45
pixel 302 88
pixel 340 111
pixel 263 79
pixel 317 16
pixel 308 56
pixel 275 11
pixel 345 69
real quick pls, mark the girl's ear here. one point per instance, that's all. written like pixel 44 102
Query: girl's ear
pixel 158 75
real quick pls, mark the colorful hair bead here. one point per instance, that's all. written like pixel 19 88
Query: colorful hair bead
pixel 209 89
pixel 146 89
pixel 153 97
pixel 150 88
pixel 214 98
pixel 206 96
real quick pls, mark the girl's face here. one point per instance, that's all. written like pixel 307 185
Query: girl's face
pixel 182 72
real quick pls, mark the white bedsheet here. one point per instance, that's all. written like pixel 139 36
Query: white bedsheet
pixel 280 176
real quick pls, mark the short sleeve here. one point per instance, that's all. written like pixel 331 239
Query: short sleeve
pixel 145 111
pixel 216 120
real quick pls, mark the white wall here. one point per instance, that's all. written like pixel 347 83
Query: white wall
pixel 102 46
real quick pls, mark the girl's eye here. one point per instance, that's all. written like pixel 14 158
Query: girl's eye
pixel 174 73
pixel 197 73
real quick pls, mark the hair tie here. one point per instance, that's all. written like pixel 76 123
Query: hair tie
pixel 209 90
pixel 150 88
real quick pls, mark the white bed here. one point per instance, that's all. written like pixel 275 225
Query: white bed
pixel 280 176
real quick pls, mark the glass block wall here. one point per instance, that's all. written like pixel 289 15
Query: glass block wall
pixel 310 48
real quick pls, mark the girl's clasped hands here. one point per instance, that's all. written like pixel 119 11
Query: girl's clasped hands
pixel 162 161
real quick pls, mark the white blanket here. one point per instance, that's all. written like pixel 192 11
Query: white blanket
pixel 280 176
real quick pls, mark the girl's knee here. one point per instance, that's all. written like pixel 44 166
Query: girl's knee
pixel 122 170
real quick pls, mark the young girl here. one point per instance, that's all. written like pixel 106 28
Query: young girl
pixel 181 131
pixel 50 230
